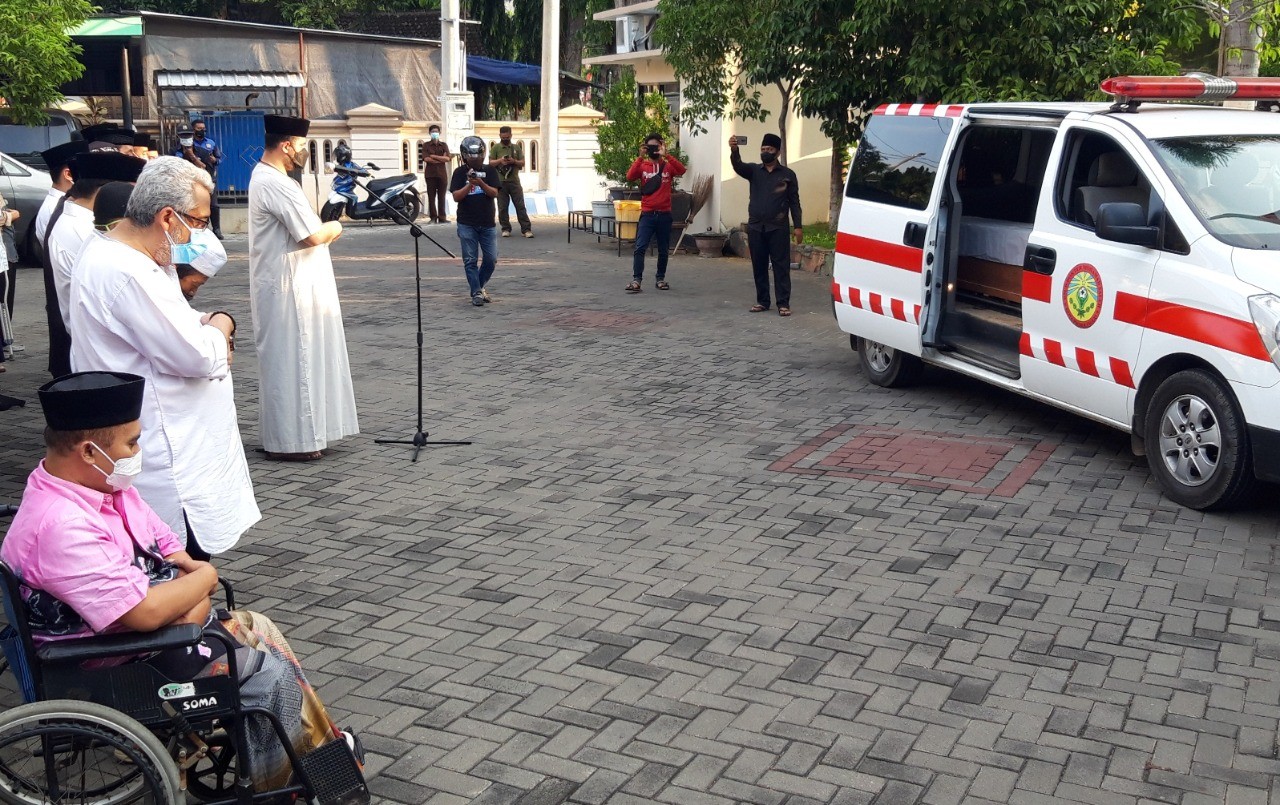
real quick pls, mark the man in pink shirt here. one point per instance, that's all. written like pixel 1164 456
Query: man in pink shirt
pixel 94 558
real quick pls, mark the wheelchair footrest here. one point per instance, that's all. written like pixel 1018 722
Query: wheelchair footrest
pixel 335 775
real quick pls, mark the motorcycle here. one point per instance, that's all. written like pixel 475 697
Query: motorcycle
pixel 397 191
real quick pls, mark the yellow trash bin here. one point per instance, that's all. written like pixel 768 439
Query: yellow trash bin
pixel 628 213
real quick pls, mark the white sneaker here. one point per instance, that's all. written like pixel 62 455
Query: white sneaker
pixel 528 234
pixel 506 233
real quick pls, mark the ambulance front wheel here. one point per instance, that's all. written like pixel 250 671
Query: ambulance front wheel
pixel 1196 442
pixel 886 366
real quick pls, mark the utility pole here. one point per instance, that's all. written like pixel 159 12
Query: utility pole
pixel 550 117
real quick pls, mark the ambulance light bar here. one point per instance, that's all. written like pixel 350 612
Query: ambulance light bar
pixel 1193 86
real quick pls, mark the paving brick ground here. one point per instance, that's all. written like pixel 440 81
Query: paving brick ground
pixel 694 557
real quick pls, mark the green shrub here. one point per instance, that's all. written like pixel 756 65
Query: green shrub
pixel 627 122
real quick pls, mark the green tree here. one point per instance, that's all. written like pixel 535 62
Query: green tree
pixel 36 55
pixel 723 58
pixel 629 119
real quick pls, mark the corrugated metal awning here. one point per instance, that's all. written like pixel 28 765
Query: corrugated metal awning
pixel 199 79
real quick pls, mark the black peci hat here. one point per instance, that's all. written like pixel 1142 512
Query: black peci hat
pixel 141 140
pixel 88 400
pixel 119 136
pixel 95 132
pixel 111 202
pixel 59 156
pixel 110 165
pixel 286 126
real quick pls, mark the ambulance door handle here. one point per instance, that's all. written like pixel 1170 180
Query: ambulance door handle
pixel 914 234
pixel 1040 259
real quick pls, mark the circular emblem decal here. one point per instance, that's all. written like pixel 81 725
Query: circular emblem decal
pixel 1082 295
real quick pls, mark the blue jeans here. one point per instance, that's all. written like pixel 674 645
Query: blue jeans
pixel 476 239
pixel 652 224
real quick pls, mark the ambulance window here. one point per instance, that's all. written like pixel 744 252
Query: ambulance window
pixel 1098 171
pixel 897 160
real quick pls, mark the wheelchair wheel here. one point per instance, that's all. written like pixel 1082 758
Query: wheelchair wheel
pixel 64 751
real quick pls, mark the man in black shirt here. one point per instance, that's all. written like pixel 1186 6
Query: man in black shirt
pixel 775 195
pixel 474 188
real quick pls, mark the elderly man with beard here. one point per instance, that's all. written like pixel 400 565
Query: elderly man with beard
pixel 128 315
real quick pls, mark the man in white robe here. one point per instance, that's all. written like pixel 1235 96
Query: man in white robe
pixel 69 227
pixel 128 315
pixel 307 399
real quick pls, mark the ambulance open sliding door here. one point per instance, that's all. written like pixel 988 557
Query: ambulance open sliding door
pixel 888 223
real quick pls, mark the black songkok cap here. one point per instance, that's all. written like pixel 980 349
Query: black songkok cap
pixel 110 165
pixel 119 136
pixel 58 156
pixel 286 126
pixel 771 140
pixel 141 140
pixel 88 400
pixel 95 132
pixel 111 202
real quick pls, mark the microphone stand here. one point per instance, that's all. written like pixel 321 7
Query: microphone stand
pixel 419 439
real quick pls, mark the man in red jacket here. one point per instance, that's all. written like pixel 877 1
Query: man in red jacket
pixel 655 169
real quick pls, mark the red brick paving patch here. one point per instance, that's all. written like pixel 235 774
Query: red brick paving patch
pixel 981 464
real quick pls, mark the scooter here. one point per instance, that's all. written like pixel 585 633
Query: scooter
pixel 397 191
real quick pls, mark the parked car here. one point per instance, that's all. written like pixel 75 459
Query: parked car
pixel 24 143
pixel 25 188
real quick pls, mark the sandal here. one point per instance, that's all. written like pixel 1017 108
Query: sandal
pixel 311 456
pixel 634 287
pixel 663 285
pixel 784 311
pixel 757 309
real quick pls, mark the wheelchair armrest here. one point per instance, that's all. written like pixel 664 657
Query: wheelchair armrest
pixel 230 594
pixel 120 645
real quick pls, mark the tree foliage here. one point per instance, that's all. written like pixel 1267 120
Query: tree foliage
pixel 629 119
pixel 36 55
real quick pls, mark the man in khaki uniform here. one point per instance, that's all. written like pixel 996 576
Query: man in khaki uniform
pixel 508 158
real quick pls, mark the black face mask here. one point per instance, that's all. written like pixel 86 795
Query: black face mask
pixel 199 135
pixel 768 157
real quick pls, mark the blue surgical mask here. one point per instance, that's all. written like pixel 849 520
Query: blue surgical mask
pixel 187 253
pixel 435 135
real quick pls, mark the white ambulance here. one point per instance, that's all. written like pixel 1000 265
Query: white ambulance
pixel 1121 261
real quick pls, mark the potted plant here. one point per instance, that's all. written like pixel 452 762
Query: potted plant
pixel 710 243
pixel 627 122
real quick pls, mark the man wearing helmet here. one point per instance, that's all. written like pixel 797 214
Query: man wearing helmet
pixel 473 187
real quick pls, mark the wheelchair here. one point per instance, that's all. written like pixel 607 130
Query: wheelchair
pixel 126 734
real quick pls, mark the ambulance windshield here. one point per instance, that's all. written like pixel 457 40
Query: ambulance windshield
pixel 1232 182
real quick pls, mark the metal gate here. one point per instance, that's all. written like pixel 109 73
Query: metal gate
pixel 240 134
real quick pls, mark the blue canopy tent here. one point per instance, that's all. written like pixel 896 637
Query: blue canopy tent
pixel 496 71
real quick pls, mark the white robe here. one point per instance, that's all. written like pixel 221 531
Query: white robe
pixel 129 315
pixel 307 398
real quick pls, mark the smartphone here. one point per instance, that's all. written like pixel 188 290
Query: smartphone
pixel 739 139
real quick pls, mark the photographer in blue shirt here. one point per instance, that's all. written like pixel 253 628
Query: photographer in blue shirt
pixel 197 147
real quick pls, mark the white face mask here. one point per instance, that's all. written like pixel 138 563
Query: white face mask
pixel 123 472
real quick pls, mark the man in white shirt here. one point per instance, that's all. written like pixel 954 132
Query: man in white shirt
pixel 128 315
pixel 69 227
pixel 307 399
pixel 58 160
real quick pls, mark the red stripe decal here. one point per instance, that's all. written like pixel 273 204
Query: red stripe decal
pixel 1120 371
pixel 917 314
pixel 835 291
pixel 954 111
pixel 1214 329
pixel 878 251
pixel 1084 358
pixel 1037 287
pixel 1024 345
pixel 927 109
pixel 899 309
pixel 876 304
pixel 1053 352
pixel 855 297
pixel 881 109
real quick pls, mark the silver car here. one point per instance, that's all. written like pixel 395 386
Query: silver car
pixel 24 188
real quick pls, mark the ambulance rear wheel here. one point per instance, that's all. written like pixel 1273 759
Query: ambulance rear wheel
pixel 1197 443
pixel 886 366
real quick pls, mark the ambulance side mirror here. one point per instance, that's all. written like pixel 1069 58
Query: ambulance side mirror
pixel 1125 222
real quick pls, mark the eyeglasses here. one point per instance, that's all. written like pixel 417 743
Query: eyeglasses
pixel 195 221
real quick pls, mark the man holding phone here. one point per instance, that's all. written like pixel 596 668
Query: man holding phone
pixel 656 171
pixel 775 196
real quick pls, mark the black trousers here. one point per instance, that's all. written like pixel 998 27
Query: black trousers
pixel 435 198
pixel 215 214
pixel 193 548
pixel 771 245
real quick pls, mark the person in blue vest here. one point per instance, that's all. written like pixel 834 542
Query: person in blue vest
pixel 197 147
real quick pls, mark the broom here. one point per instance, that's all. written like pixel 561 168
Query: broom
pixel 702 184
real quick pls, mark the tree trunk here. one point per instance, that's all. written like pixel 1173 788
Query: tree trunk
pixel 837 185
pixel 783 113
pixel 1238 51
